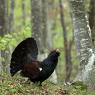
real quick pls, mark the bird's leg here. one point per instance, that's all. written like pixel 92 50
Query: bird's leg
pixel 38 83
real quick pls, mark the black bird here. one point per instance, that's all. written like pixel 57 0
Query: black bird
pixel 24 59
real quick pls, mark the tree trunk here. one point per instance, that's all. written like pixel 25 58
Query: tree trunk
pixel 83 42
pixel 2 18
pixel 23 12
pixel 44 18
pixel 47 34
pixel 11 16
pixel 6 16
pixel 49 38
pixel 36 22
pixel 92 20
pixel 3 29
pixel 67 49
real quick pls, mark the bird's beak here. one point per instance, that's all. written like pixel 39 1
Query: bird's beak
pixel 57 50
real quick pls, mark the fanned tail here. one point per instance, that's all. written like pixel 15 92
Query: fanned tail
pixel 24 53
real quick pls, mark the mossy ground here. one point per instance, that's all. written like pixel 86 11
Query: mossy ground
pixel 17 86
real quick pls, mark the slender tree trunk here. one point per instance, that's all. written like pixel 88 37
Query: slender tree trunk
pixel 2 17
pixel 23 12
pixel 47 34
pixel 11 16
pixel 92 20
pixel 50 24
pixel 67 49
pixel 50 30
pixel 3 29
pixel 6 16
pixel 9 28
pixel 44 21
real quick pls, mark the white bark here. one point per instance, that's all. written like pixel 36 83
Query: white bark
pixel 83 41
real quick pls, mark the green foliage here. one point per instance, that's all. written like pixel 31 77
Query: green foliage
pixel 17 86
pixel 78 88
pixel 11 40
pixel 79 85
pixel 7 39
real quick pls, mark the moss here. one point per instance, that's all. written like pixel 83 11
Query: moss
pixel 17 86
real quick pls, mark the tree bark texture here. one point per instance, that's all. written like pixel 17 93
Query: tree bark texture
pixel 2 18
pixel 68 66
pixel 3 28
pixel 92 20
pixel 36 22
pixel 83 41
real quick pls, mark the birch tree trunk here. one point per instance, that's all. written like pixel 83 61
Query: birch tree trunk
pixel 83 42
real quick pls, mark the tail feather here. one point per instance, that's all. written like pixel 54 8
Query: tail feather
pixel 25 52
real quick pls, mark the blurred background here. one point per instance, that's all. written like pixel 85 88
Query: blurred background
pixel 49 22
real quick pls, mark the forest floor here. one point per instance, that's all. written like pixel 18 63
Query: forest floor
pixel 17 86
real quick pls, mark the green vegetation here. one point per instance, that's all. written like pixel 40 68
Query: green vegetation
pixel 18 86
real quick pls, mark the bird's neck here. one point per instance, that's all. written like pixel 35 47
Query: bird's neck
pixel 53 59
pixel 50 61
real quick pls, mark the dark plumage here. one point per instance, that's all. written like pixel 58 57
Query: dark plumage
pixel 24 58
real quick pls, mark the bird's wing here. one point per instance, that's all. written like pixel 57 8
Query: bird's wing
pixel 25 51
pixel 32 70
